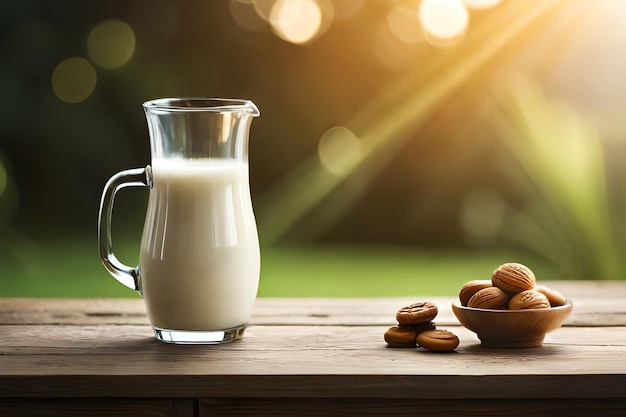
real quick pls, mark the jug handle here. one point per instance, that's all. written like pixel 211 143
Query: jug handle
pixel 138 177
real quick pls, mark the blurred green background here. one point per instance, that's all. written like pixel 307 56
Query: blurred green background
pixel 404 146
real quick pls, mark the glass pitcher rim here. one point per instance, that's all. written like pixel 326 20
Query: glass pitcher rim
pixel 206 104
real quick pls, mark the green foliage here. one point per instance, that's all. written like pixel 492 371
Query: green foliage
pixel 564 214
pixel 72 268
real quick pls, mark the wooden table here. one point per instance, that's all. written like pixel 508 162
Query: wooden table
pixel 306 357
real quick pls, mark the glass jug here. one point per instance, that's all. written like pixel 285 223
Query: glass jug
pixel 199 258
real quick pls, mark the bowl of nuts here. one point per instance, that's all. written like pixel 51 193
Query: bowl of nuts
pixel 511 310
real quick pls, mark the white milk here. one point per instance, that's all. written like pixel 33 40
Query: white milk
pixel 200 261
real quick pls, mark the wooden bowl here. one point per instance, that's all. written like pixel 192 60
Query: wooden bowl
pixel 511 328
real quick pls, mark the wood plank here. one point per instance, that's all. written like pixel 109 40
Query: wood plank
pixel 108 407
pixel 305 407
pixel 595 303
pixel 298 361
pixel 72 311
pixel 443 387
pixel 277 340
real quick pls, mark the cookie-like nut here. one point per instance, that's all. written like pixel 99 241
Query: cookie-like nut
pixel 398 336
pixel 472 287
pixel 513 278
pixel 438 340
pixel 555 298
pixel 528 299
pixel 417 313
pixel 490 297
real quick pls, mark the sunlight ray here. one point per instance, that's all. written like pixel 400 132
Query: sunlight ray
pixel 386 124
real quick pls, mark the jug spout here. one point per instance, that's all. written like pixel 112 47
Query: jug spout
pixel 199 128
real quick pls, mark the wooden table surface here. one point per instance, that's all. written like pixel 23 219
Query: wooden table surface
pixel 306 357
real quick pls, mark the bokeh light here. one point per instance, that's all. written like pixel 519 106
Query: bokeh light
pixel 245 15
pixel 263 8
pixel 339 150
pixel 443 20
pixel 481 4
pixel 74 79
pixel 403 22
pixel 111 44
pixel 296 21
